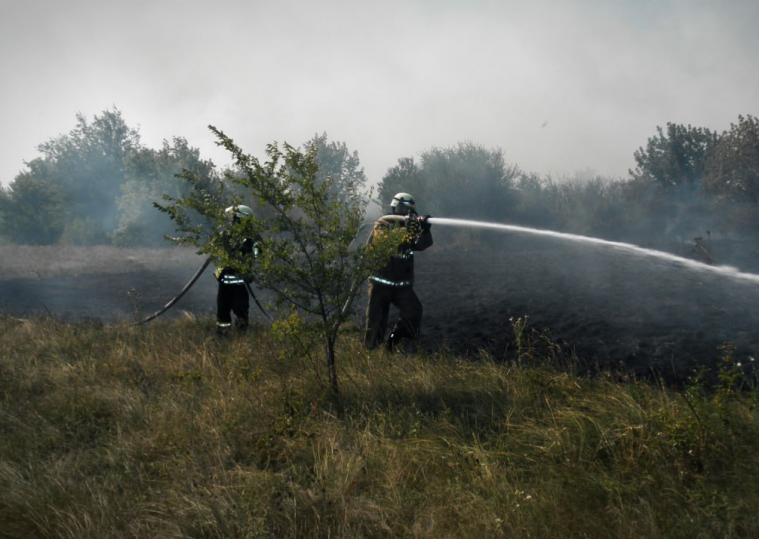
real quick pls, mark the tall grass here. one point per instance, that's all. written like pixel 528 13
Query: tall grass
pixel 166 431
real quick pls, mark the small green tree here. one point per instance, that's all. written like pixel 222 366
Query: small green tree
pixel 306 230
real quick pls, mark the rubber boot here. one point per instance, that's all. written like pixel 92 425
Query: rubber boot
pixel 222 329
pixel 392 343
pixel 242 324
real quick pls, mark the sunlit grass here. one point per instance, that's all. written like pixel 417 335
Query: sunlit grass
pixel 166 431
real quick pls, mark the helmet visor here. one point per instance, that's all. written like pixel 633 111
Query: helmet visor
pixel 402 203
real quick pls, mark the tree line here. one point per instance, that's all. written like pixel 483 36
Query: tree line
pixel 98 184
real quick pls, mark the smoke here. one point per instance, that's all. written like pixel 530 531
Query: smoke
pixel 601 76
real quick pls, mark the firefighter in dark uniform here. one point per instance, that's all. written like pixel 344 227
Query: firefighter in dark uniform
pixel 232 295
pixel 394 283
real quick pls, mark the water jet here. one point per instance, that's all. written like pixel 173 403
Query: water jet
pixel 726 271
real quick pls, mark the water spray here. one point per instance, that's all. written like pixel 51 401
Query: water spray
pixel 726 271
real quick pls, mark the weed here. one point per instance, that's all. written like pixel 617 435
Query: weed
pixel 703 249
pixel 518 326
pixel 136 301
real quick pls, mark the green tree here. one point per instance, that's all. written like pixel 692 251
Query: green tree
pixel 335 161
pixel 90 162
pixel 309 256
pixel 466 181
pixel 667 185
pixel 675 158
pixel 31 208
pixel 84 170
pixel 733 167
pixel 148 175
pixel 406 176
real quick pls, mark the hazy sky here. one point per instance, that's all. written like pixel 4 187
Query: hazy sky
pixel 563 87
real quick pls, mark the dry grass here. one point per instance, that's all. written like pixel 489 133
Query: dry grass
pixel 165 431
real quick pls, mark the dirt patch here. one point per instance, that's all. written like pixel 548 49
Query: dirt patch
pixel 110 297
pixel 23 261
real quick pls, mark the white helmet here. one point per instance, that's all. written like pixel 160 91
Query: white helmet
pixel 238 212
pixel 403 201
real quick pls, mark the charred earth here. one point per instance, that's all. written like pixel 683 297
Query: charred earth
pixel 619 312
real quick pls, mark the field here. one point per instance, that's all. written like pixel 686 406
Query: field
pixel 538 405
pixel 611 310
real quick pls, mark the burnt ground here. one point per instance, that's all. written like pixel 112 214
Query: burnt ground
pixel 608 309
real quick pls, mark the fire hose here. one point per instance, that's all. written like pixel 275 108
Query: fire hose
pixel 188 286
pixel 260 307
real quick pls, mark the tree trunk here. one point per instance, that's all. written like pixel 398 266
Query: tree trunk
pixel 331 365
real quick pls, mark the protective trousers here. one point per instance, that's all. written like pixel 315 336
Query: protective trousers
pixel 232 298
pixel 381 297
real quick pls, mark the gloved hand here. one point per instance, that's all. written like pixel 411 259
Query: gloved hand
pixel 424 223
pixel 413 224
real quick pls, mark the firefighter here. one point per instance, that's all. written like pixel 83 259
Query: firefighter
pixel 394 283
pixel 232 295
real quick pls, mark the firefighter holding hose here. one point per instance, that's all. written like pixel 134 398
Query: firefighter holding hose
pixel 232 295
pixel 394 283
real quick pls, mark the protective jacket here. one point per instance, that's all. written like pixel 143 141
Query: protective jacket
pixel 227 275
pixel 393 284
pixel 399 270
